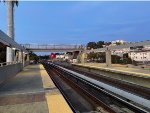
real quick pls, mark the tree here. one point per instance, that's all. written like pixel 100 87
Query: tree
pixel 107 43
pixel 100 57
pixel 125 55
pixel 91 45
pixel 44 57
pixel 126 59
pixel 33 56
pixel 57 53
pixel 118 43
pixel 100 44
pixel 116 59
pixel 91 55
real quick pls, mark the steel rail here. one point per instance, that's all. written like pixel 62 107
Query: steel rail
pixel 133 88
pixel 132 106
pixel 60 89
pixel 92 97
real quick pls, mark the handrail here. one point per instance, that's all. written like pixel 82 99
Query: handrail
pixel 9 63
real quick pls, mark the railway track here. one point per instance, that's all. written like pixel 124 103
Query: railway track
pixel 76 106
pixel 133 88
pixel 110 102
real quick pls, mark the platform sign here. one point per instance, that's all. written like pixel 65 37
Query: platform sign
pixel 52 56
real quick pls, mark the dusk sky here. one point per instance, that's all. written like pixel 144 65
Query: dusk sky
pixel 79 22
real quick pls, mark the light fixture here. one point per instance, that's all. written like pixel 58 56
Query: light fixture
pixel 13 48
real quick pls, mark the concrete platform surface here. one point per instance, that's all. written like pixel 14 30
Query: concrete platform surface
pixel 32 91
pixel 119 68
pixel 29 80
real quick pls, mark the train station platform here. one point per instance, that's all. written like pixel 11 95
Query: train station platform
pixel 32 91
pixel 119 68
pixel 133 75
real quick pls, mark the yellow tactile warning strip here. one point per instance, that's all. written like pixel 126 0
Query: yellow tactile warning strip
pixel 47 82
pixel 55 101
pixel 118 70
pixel 57 104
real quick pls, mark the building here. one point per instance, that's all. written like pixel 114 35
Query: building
pixel 60 56
pixel 140 56
pixel 113 43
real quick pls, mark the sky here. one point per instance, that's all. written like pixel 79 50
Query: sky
pixel 78 22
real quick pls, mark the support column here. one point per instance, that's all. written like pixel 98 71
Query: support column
pixel 15 59
pixel 9 54
pixel 28 59
pixel 23 59
pixel 108 58
pixel 79 57
pixel 83 57
pixel 19 56
pixel 75 56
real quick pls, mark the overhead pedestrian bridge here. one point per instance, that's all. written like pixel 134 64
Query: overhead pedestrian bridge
pixel 53 47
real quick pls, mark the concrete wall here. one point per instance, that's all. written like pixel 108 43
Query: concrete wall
pixel 26 63
pixel 7 72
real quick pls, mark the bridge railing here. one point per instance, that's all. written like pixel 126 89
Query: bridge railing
pixel 52 46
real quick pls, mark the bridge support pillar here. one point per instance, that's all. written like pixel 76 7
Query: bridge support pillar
pixel 75 56
pixel 83 57
pixel 108 58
